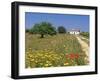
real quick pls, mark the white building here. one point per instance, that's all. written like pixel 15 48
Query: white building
pixel 74 31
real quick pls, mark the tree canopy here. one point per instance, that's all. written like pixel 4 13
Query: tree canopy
pixel 43 28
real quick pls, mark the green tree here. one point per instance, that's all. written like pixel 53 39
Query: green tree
pixel 61 29
pixel 43 28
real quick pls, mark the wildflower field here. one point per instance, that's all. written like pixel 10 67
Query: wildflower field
pixel 53 51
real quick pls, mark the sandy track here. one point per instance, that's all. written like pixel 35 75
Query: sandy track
pixel 84 38
pixel 85 48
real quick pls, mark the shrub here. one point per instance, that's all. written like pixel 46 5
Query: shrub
pixel 61 29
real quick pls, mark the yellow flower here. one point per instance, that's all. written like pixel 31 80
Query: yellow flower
pixel 50 64
pixel 64 45
pixel 32 59
pixel 36 61
pixel 30 48
pixel 41 63
pixel 46 65
pixel 66 63
pixel 30 55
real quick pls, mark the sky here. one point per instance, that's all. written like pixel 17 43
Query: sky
pixel 69 21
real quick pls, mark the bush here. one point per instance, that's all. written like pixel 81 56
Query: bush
pixel 61 29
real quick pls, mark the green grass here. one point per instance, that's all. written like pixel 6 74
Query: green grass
pixel 51 51
pixel 85 34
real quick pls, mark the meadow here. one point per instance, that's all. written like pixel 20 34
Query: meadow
pixel 53 51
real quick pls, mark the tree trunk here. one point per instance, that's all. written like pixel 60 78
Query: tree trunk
pixel 42 35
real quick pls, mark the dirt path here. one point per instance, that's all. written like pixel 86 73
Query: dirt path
pixel 85 48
